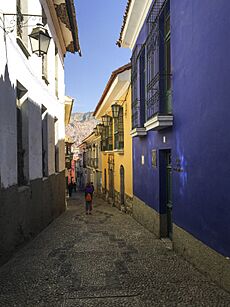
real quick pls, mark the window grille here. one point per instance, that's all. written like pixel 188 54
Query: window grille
pixel 158 83
pixel 119 131
pixel 84 159
pixel 103 139
pixel 155 12
pixel 136 122
pixel 153 74
pixel 151 68
pixel 142 83
pixel 107 138
pixel 167 63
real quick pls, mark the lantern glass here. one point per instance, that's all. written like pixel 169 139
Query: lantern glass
pixel 115 110
pixel 106 120
pixel 39 40
pixel 44 42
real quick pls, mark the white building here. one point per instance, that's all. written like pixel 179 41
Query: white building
pixel 32 117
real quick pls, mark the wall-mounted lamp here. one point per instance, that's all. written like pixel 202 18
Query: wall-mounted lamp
pixel 106 120
pixel 39 37
pixel 115 109
pixel 100 128
pixel 39 40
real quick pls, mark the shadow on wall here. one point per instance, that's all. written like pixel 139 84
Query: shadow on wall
pixel 32 192
pixel 7 129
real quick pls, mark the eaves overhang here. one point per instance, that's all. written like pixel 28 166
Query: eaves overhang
pixel 133 20
pixel 116 86
pixel 82 145
pixel 88 137
pixel 67 23
pixel 68 108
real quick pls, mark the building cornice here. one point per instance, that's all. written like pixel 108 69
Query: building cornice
pixel 73 24
pixel 64 19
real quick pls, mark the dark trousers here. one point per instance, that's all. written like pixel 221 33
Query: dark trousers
pixel 88 205
pixel 70 189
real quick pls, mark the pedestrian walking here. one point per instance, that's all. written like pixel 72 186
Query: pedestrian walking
pixel 92 188
pixel 75 186
pixel 88 198
pixel 70 187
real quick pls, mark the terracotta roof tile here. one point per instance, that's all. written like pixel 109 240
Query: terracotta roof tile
pixel 119 41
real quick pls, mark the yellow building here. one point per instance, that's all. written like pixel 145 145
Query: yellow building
pixel 114 110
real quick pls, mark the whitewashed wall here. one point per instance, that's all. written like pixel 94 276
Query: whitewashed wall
pixel 15 66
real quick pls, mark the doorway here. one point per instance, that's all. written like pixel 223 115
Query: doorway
pixel 111 184
pixel 111 176
pixel 122 185
pixel 166 222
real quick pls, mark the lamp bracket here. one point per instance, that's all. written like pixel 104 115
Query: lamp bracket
pixel 19 19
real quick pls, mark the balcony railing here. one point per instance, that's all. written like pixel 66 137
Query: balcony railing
pixel 136 114
pixel 92 162
pixel 153 97
pixel 107 144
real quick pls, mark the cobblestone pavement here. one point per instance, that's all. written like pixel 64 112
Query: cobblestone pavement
pixel 103 259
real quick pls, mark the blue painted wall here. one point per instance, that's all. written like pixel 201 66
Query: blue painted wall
pixel 201 100
pixel 145 177
pixel 199 139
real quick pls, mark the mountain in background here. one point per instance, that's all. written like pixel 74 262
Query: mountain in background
pixel 80 126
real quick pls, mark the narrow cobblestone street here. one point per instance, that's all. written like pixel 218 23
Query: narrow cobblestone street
pixel 103 259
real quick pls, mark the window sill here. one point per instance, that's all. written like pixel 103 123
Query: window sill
pixel 23 47
pixel 138 132
pixel 119 151
pixel 159 122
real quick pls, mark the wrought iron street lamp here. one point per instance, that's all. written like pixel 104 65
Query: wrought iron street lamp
pixel 106 120
pixel 100 128
pixel 115 110
pixel 39 37
pixel 39 40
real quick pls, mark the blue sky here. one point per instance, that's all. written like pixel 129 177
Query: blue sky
pixel 99 24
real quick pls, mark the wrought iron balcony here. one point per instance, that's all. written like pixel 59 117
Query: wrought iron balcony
pixel 107 145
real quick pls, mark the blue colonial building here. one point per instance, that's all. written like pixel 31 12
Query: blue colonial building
pixel 180 116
